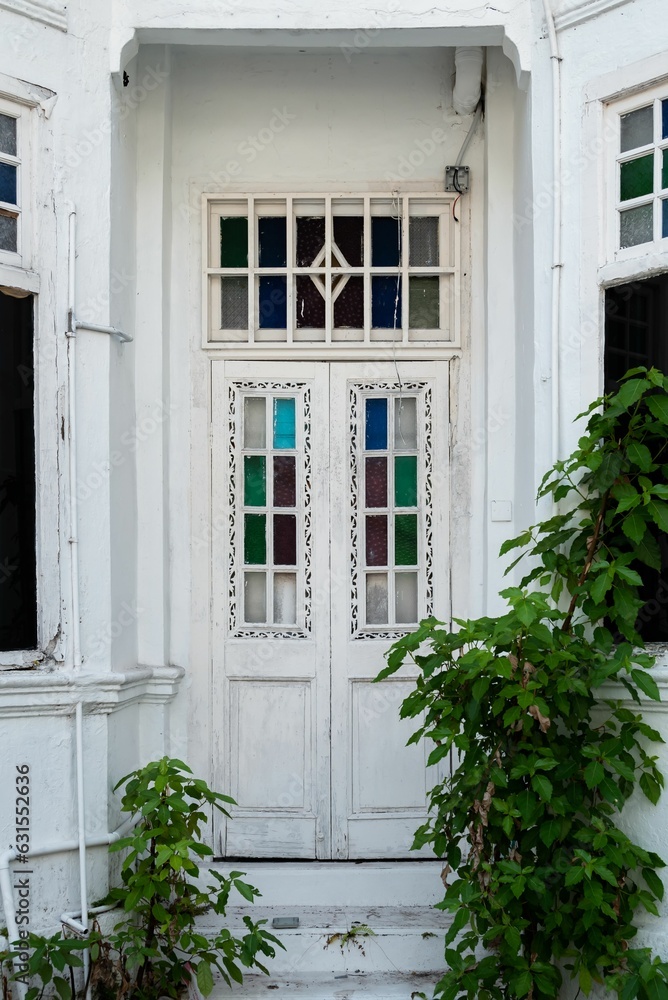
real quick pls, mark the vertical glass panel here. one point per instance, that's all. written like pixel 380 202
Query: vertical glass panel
pixel 8 135
pixel 285 539
pixel 285 481
pixel 255 480
pixel 234 242
pixel 405 540
pixel 375 437
pixel 664 169
pixel 423 305
pixel 234 303
pixel 255 422
pixel 348 234
pixel 284 422
pixel 349 305
pixel 8 233
pixel 255 597
pixel 285 598
pixel 405 598
pixel 310 239
pixel 376 599
pixel 636 128
pixel 376 540
pixel 636 177
pixel 405 423
pixel 423 241
pixel 375 478
pixel 664 119
pixel 664 218
pixel 386 302
pixel 636 226
pixel 8 183
pixel 255 539
pixel 405 481
pixel 272 241
pixel 385 241
pixel 310 303
pixel 273 303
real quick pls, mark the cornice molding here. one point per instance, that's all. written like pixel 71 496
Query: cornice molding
pixel 584 11
pixel 45 11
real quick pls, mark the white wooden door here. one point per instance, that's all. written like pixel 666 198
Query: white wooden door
pixel 329 497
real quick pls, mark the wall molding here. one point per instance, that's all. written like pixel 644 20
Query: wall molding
pixel 585 11
pixel 44 11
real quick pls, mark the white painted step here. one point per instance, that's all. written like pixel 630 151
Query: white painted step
pixel 343 987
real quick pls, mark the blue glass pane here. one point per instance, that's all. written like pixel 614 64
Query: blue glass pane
pixel 375 433
pixel 8 183
pixel 272 241
pixel 273 303
pixel 385 242
pixel 284 423
pixel 386 303
pixel 664 223
pixel 664 119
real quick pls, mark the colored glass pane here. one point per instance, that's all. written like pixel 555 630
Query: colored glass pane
pixel 405 481
pixel 405 423
pixel 376 599
pixel 310 304
pixel 375 478
pixel 423 241
pixel 636 177
pixel 255 480
pixel 406 598
pixel 234 242
pixel 664 218
pixel 423 304
pixel 349 305
pixel 664 169
pixel 273 303
pixel 285 598
pixel 272 241
pixel 8 135
pixel 234 303
pixel 8 233
pixel 348 234
pixel 255 539
pixel 255 422
pixel 636 128
pixel 285 481
pixel 375 436
pixel 385 241
pixel 405 540
pixel 636 225
pixel 386 302
pixel 8 183
pixel 284 422
pixel 285 539
pixel 376 540
pixel 255 597
pixel 310 239
pixel 664 119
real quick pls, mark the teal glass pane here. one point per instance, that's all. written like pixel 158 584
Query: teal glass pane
pixel 405 540
pixel 664 218
pixel 234 242
pixel 405 481
pixel 664 169
pixel 423 304
pixel 636 178
pixel 255 539
pixel 284 423
pixel 664 119
pixel 255 481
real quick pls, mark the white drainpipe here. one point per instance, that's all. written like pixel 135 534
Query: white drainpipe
pixel 468 79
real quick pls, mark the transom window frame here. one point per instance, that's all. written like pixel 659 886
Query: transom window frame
pixel 409 345
pixel 22 161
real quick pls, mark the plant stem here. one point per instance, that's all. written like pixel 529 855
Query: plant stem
pixel 591 552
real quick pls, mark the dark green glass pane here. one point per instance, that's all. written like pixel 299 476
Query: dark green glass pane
pixel 405 540
pixel 255 481
pixel 405 481
pixel 234 242
pixel 637 178
pixel 255 539
pixel 423 304
pixel 664 169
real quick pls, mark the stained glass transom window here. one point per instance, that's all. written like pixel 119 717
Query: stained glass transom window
pixel 642 174
pixel 327 272
pixel 10 180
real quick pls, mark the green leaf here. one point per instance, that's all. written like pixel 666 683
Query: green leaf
pixel 640 455
pixel 658 406
pixel 543 786
pixel 584 978
pixel 654 882
pixel 646 683
pixel 658 511
pixel 631 987
pixel 593 773
pixel 549 831
pixel 204 978
pixel 634 527
pixel 246 890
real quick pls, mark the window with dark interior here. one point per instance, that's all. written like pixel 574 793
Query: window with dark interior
pixel 18 595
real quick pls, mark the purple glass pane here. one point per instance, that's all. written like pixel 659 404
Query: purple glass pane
pixel 376 540
pixel 349 306
pixel 285 489
pixel 348 233
pixel 376 482
pixel 310 239
pixel 285 540
pixel 310 304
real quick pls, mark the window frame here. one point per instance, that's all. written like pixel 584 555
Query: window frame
pixel 23 160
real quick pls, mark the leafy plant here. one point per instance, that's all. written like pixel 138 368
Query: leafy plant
pixel 539 877
pixel 51 964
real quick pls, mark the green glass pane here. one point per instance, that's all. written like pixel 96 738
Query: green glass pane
pixel 405 481
pixel 255 539
pixel 255 481
pixel 636 178
pixel 405 540
pixel 664 170
pixel 234 242
pixel 423 304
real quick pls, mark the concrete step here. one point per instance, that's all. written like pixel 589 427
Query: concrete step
pixel 357 986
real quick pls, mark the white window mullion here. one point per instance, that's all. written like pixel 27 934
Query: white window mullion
pixel 328 270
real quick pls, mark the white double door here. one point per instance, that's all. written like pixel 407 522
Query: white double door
pixel 329 500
